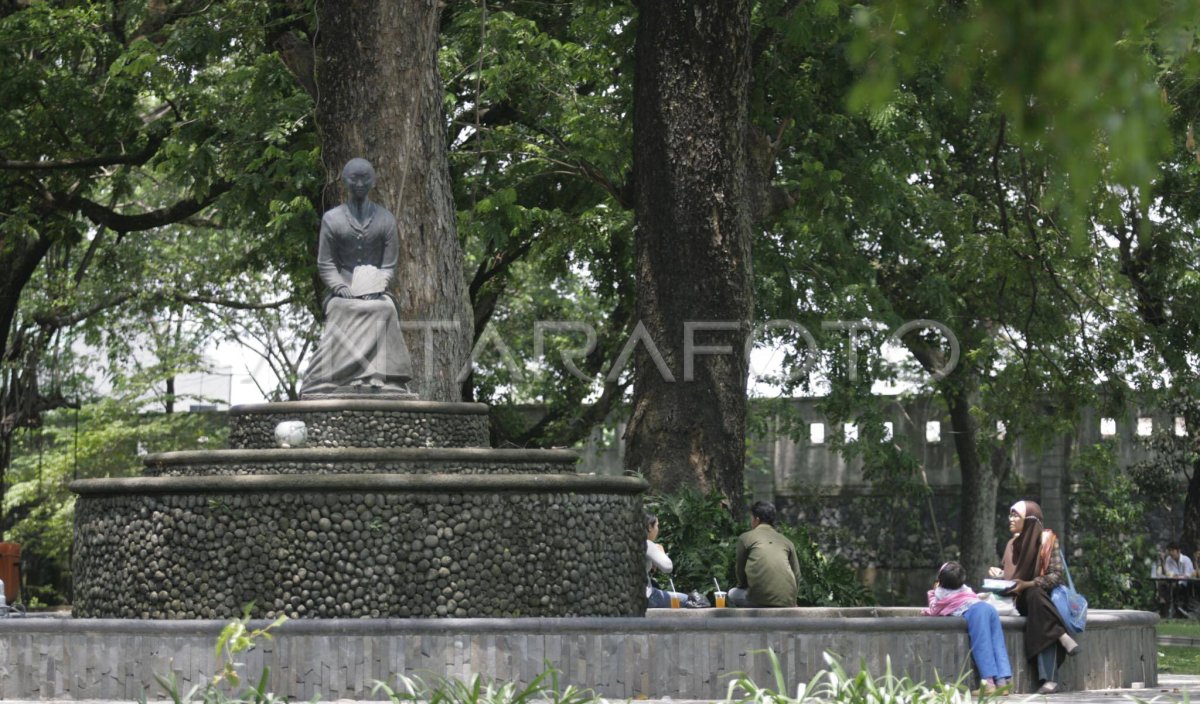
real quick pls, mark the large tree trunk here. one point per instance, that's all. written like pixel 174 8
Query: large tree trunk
pixel 692 242
pixel 379 96
pixel 977 519
pixel 19 258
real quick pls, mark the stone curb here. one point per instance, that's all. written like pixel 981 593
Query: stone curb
pixel 349 404
pixel 360 454
pixel 366 483
pixel 654 622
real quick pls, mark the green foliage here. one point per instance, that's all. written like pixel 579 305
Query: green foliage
pixel 928 205
pixel 235 638
pixel 546 687
pixel 699 533
pixel 538 98
pixel 1111 554
pixel 1161 478
pixel 1078 78
pixel 102 439
pixel 1187 628
pixel 120 122
pixel 834 684
pixel 117 131
pixel 827 581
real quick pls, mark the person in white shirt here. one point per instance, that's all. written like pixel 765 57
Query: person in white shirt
pixel 1174 595
pixel 656 559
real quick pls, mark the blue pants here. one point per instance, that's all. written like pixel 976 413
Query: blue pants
pixel 1047 664
pixel 987 641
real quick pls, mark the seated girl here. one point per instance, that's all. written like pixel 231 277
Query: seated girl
pixel 952 597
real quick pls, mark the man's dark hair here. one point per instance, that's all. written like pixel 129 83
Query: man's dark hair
pixel 952 576
pixel 1173 545
pixel 764 511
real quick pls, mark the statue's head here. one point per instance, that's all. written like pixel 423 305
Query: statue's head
pixel 358 175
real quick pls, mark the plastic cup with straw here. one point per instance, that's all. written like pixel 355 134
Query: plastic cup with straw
pixel 718 595
pixel 674 595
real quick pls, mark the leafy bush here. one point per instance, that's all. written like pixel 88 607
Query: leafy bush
pixel 1108 558
pixel 544 689
pixel 834 685
pixel 699 533
pixel 236 637
pixel 102 439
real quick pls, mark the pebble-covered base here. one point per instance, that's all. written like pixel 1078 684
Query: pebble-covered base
pixel 330 460
pixel 343 554
pixel 452 467
pixel 363 428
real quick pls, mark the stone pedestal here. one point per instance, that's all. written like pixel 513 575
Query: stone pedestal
pixel 395 509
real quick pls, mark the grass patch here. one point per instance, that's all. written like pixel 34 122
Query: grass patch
pixel 1180 627
pixel 1179 660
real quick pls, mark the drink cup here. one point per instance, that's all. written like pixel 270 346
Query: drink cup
pixel 719 598
pixel 674 601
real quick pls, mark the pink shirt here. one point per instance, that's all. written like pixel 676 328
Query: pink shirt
pixel 949 602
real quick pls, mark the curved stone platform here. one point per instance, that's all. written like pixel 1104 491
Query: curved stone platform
pixel 371 545
pixel 363 423
pixel 332 460
pixel 681 654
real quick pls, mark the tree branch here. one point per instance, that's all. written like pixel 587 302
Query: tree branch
pixel 51 321
pixel 160 14
pixel 229 303
pixel 119 222
pixel 299 58
pixel 130 158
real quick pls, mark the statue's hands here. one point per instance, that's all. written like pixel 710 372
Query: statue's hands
pixel 342 292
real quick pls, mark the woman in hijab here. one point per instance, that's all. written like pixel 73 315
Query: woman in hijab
pixel 1031 559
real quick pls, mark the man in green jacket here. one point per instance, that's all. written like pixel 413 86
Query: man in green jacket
pixel 768 570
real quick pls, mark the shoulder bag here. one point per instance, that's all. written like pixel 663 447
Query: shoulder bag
pixel 1071 605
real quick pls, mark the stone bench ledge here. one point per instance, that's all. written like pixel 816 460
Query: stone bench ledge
pixel 681 654
pixel 899 617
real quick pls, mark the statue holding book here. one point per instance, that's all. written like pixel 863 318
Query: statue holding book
pixel 362 350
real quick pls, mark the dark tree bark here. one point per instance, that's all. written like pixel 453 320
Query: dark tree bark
pixel 692 242
pixel 980 484
pixel 379 97
pixel 980 479
pixel 20 258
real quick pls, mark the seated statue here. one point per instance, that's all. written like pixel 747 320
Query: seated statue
pixel 362 350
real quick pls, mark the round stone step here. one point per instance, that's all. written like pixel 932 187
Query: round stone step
pixel 363 423
pixel 341 460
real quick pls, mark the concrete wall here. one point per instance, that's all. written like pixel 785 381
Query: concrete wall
pixel 680 654
pixel 784 466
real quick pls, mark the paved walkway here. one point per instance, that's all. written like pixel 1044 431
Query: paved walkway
pixel 1171 688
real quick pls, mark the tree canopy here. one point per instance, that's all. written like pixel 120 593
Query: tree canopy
pixel 1023 174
